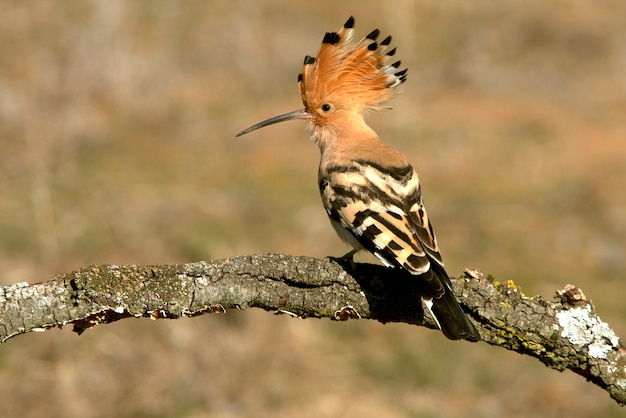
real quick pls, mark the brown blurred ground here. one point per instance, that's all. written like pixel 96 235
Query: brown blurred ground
pixel 116 146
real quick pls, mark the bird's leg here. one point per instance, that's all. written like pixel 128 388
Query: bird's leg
pixel 347 258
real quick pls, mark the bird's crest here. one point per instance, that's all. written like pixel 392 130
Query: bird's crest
pixel 356 75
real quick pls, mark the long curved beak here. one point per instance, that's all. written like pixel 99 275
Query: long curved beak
pixel 298 114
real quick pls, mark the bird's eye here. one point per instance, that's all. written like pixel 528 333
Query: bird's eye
pixel 326 107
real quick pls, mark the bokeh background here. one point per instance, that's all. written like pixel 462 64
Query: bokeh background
pixel 117 124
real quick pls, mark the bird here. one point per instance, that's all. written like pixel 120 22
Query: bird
pixel 370 191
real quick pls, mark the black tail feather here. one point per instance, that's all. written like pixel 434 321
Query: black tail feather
pixel 453 322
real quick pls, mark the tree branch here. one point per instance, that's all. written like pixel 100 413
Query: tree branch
pixel 563 334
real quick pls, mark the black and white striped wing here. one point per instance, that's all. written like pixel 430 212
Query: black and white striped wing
pixel 381 209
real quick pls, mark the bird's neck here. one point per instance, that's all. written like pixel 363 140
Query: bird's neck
pixel 341 144
pixel 348 135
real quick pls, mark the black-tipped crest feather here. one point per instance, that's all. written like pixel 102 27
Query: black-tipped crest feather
pixel 373 34
pixel 358 73
pixel 331 38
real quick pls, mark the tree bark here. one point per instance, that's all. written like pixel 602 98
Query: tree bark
pixel 563 334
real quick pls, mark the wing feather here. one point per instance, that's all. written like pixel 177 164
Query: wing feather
pixel 383 210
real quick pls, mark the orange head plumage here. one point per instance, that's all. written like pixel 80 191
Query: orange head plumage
pixel 343 80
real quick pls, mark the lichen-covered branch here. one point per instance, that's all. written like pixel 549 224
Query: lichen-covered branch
pixel 564 333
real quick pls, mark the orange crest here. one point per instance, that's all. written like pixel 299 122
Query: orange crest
pixel 357 76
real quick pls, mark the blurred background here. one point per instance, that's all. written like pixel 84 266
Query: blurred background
pixel 117 124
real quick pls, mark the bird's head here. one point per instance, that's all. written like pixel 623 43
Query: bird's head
pixel 342 81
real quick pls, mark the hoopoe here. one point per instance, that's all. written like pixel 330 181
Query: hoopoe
pixel 370 191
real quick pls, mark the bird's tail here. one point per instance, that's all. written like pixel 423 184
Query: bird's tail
pixel 451 319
